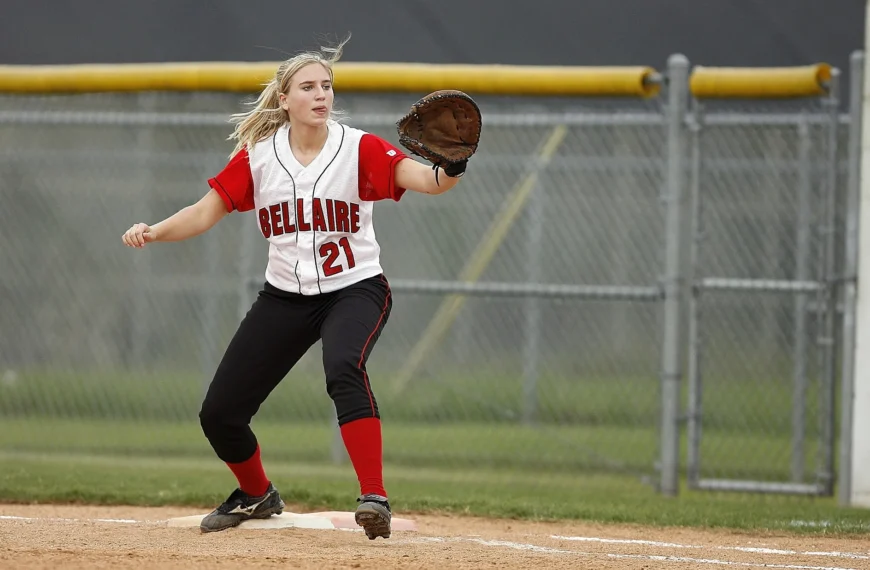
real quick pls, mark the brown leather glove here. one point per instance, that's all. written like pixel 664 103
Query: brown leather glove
pixel 444 128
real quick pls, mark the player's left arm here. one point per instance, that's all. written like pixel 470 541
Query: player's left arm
pixel 421 178
pixel 385 172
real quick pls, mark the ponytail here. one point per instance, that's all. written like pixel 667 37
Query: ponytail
pixel 262 121
pixel 267 116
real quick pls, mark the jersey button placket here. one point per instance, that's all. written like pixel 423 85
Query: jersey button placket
pixel 307 254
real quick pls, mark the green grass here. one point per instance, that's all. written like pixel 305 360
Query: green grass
pixel 200 483
pixel 539 449
pixel 452 444
pixel 753 404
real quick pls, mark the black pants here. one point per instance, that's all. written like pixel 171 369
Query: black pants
pixel 278 330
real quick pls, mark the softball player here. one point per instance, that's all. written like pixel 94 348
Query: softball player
pixel 312 183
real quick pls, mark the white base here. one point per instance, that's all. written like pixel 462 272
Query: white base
pixel 327 520
pixel 284 520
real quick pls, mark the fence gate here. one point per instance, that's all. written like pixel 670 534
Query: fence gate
pixel 762 313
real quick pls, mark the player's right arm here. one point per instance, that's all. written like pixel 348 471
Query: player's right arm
pixel 232 189
pixel 188 222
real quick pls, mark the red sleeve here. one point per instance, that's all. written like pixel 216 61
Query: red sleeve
pixel 377 163
pixel 235 184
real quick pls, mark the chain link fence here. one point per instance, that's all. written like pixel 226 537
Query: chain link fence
pixel 527 326
pixel 760 340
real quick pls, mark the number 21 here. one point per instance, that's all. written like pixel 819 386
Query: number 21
pixel 329 250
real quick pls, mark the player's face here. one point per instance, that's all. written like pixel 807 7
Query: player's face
pixel 309 98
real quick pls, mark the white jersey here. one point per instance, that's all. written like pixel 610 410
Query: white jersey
pixel 317 218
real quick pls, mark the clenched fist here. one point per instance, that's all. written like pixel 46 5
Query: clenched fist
pixel 138 235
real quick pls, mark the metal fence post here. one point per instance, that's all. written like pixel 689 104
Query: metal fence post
pixel 802 273
pixel 828 305
pixel 674 285
pixel 532 336
pixel 143 284
pixel 850 275
pixel 693 373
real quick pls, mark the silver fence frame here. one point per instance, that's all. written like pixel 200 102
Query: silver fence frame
pixel 801 287
pixel 827 287
pixel 850 275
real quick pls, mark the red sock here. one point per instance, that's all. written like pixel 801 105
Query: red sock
pixel 362 439
pixel 252 478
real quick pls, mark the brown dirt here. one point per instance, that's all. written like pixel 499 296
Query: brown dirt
pixel 441 542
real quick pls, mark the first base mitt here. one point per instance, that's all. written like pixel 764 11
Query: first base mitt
pixel 444 128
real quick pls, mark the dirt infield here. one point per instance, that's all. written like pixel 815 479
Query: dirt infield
pixel 74 537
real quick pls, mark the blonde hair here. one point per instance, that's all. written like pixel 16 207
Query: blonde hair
pixel 267 116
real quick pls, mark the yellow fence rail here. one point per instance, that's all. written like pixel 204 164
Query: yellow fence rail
pixel 628 81
pixel 349 77
pixel 760 82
